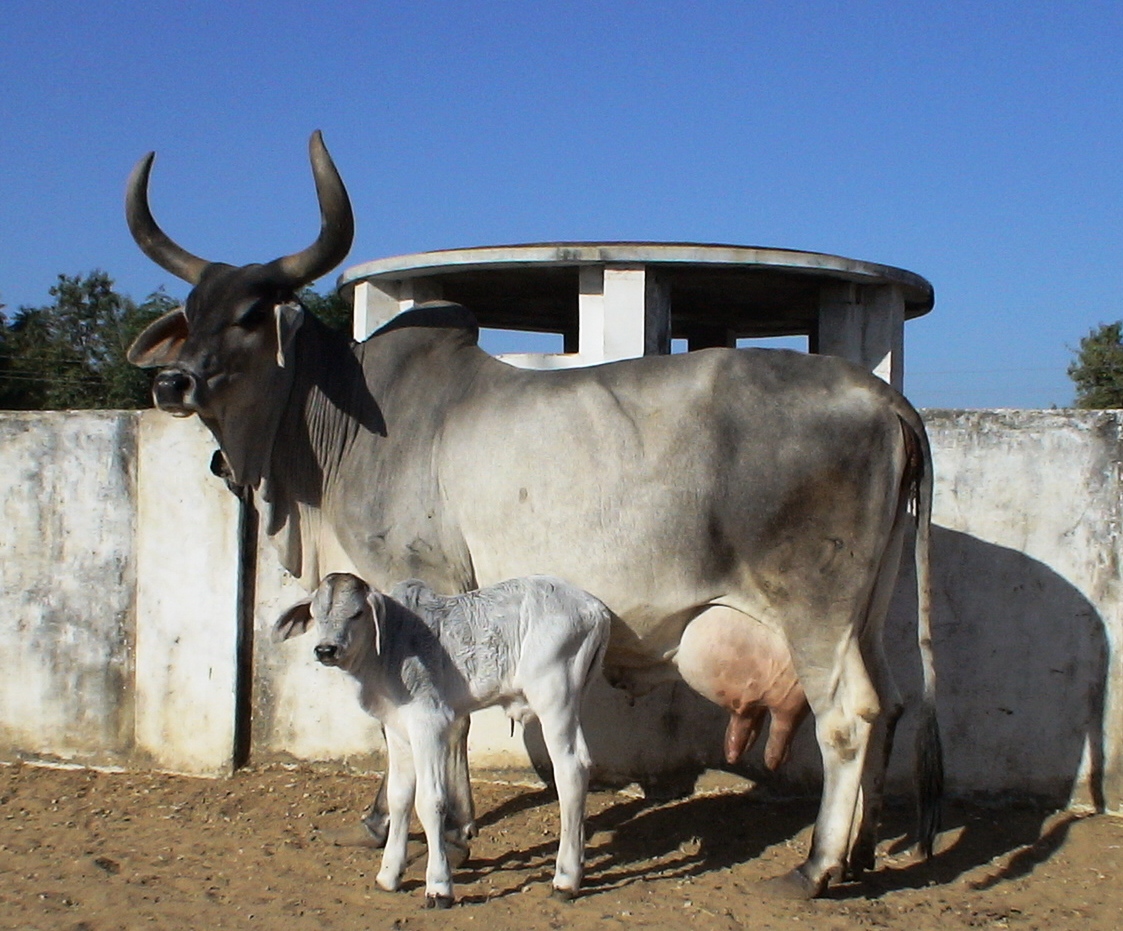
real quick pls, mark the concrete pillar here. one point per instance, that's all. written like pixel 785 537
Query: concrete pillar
pixel 624 312
pixel 187 602
pixel 865 324
pixel 378 304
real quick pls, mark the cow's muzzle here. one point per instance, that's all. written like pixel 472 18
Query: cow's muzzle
pixel 174 392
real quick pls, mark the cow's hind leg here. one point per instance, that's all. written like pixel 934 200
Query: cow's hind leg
pixel 846 709
pixel 864 844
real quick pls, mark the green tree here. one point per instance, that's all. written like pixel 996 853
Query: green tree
pixel 71 354
pixel 1097 369
pixel 333 309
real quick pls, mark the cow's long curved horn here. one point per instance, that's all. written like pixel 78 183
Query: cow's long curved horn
pixel 153 241
pixel 337 223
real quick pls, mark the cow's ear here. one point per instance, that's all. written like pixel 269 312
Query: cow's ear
pixel 289 318
pixel 376 601
pixel 295 621
pixel 161 341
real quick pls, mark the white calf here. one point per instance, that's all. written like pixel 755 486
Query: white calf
pixel 424 661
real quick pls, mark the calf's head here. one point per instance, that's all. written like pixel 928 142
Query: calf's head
pixel 226 355
pixel 348 615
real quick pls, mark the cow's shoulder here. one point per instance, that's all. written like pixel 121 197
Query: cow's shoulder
pixel 421 355
pixel 440 320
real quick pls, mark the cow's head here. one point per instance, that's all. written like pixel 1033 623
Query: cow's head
pixel 348 615
pixel 226 355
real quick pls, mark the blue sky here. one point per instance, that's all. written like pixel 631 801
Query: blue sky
pixel 978 145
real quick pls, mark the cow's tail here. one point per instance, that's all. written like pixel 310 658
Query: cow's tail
pixel 929 751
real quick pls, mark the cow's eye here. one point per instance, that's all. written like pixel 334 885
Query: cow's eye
pixel 254 315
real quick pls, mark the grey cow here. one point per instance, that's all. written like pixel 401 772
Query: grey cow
pixel 764 487
pixel 424 662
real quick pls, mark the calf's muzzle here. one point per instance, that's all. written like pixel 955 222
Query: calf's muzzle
pixel 327 653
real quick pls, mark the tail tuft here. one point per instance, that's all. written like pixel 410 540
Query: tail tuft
pixel 929 781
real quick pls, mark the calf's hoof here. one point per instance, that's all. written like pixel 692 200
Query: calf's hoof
pixel 794 886
pixel 563 895
pixel 388 883
pixel 439 901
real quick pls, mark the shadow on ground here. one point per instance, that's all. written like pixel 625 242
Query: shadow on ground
pixel 633 839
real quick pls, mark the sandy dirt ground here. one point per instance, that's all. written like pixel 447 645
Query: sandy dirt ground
pixel 89 851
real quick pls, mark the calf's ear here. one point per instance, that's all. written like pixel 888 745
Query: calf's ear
pixel 295 621
pixel 161 341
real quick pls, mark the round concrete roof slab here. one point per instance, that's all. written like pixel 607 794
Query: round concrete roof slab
pixel 746 290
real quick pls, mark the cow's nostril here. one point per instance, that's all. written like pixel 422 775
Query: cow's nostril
pixel 170 389
pixel 173 381
pixel 326 651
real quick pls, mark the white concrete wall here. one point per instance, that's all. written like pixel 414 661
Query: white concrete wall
pixel 119 567
pixel 67 581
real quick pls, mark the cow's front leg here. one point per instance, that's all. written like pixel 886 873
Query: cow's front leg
pixel 460 815
pixel 430 756
pixel 375 823
pixel 399 783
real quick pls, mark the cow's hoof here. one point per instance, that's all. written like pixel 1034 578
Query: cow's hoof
pixel 669 787
pixel 457 852
pixel 439 901
pixel 793 886
pixel 563 895
pixel 354 835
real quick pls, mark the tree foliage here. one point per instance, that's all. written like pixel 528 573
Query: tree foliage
pixel 70 354
pixel 1097 370
pixel 332 308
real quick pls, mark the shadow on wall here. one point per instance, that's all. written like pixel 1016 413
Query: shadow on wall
pixel 1021 658
pixel 1021 662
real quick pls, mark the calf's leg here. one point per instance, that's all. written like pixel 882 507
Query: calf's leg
pixel 430 756
pixel 399 784
pixel 569 754
pixel 460 817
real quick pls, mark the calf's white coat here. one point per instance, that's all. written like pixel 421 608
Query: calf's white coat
pixel 424 662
